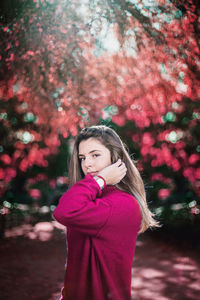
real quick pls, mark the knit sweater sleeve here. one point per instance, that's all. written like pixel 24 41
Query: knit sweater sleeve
pixel 81 207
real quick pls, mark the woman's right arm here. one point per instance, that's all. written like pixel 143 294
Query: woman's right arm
pixel 82 208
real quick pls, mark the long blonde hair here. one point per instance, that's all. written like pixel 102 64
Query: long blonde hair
pixel 132 183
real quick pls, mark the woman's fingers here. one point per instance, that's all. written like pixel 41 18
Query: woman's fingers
pixel 122 166
pixel 123 170
pixel 114 173
pixel 118 163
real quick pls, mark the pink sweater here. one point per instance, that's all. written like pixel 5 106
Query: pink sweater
pixel 102 229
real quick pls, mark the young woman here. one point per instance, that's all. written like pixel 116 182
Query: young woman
pixel 104 210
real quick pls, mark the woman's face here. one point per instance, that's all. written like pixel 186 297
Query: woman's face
pixel 94 156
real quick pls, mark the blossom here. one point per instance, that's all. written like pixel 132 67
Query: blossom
pixel 164 193
pixel 35 193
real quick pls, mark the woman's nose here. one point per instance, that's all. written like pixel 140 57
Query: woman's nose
pixel 87 162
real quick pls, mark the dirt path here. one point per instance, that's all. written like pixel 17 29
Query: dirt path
pixel 163 272
pixel 32 266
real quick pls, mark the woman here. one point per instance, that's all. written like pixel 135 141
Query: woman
pixel 104 210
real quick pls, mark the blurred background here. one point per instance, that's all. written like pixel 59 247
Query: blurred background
pixel 132 65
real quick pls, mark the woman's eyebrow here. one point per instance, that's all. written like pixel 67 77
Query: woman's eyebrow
pixel 89 152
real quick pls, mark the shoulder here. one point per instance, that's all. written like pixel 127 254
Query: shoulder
pixel 124 209
pixel 117 196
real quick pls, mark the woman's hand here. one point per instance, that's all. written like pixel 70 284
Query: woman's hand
pixel 114 173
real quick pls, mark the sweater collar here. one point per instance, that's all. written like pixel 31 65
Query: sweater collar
pixel 109 188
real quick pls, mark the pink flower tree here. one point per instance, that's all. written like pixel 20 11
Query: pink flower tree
pixel 66 65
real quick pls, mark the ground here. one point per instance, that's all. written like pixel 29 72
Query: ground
pixel 32 260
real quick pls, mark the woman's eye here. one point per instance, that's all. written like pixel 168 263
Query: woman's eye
pixel 96 155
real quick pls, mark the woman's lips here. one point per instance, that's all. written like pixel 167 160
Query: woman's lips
pixel 92 173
